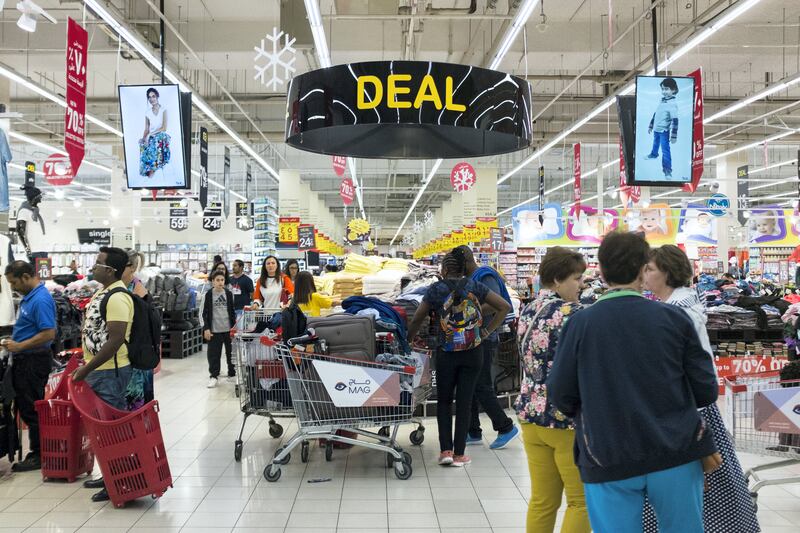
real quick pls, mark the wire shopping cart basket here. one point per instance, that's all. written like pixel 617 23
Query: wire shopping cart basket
pixel 261 384
pixel 762 413
pixel 330 394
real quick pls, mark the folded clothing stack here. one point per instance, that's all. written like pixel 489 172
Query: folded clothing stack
pixel 346 284
pixel 400 265
pixel 385 281
pixel 358 264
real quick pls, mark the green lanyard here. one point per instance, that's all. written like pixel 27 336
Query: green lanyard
pixel 619 293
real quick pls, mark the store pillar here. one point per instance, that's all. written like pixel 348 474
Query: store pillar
pixel 730 235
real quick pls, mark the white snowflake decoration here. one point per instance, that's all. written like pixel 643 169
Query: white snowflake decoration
pixel 409 240
pixel 275 59
pixel 462 179
pixel 418 227
pixel 428 218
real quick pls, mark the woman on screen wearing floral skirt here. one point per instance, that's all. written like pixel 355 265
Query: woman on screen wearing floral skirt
pixel 154 152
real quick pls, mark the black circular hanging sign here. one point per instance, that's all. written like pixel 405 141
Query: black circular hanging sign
pixel 408 110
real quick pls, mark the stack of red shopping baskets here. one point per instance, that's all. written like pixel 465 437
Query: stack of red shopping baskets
pixel 65 449
pixel 128 445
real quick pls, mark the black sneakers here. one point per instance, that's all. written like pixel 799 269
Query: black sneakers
pixel 32 462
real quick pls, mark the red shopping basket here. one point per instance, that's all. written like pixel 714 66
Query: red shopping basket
pixel 128 445
pixel 65 449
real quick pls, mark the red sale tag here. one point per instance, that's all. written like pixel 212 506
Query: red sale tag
pixel 75 115
pixel 58 170
pixel 339 164
pixel 347 191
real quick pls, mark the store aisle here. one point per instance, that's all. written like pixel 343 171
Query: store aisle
pixel 215 494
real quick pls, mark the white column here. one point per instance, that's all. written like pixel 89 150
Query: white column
pixel 729 232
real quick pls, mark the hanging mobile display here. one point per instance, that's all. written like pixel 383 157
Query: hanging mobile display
pixel 226 182
pixel 178 217
pixel 244 216
pixel 212 216
pixel 203 167
pixel 306 240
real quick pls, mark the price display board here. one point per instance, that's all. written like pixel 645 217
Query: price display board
pixel 178 217
pixel 244 216
pixel 288 228
pixel 306 239
pixel 212 216
pixel 496 239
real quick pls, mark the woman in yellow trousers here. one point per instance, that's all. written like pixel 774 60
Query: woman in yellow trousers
pixel 547 433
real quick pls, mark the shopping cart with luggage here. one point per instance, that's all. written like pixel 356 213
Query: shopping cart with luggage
pixel 332 393
pixel 66 450
pixel 261 384
pixel 761 413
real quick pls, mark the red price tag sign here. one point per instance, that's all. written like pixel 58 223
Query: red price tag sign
pixel 347 191
pixel 58 170
pixel 339 164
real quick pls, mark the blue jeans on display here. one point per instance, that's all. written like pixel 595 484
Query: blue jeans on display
pixel 110 385
pixel 676 495
pixel 661 139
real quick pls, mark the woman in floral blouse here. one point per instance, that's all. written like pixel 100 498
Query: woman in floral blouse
pixel 548 434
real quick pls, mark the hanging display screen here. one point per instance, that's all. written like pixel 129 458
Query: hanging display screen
pixel 664 121
pixel 153 136
pixel 408 109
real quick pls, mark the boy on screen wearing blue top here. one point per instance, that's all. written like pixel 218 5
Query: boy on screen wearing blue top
pixel 665 119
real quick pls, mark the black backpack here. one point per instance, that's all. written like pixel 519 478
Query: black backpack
pixel 293 322
pixel 144 346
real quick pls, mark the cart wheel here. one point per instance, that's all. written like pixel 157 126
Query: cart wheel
pixel 384 431
pixel 402 470
pixel 272 473
pixel 275 430
pixel 417 437
pixel 283 461
pixel 407 459
pixel 237 451
pixel 754 497
pixel 329 451
pixel 236 391
pixel 304 452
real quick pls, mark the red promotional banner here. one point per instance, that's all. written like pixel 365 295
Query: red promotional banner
pixel 576 166
pixel 75 116
pixel 627 194
pixel 339 164
pixel 734 366
pixel 58 170
pixel 698 139
pixel 347 191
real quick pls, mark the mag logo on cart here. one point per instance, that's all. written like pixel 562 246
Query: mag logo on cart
pixel 354 386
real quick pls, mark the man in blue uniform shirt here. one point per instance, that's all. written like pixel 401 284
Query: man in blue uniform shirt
pixel 30 346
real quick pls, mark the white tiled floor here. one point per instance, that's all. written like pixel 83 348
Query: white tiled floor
pixel 212 493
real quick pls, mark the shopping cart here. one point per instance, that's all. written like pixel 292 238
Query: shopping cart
pixel 261 384
pixel 756 416
pixel 66 451
pixel 331 394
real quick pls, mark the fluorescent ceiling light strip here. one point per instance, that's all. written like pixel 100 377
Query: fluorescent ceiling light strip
pixel 31 86
pixel 29 140
pixel 751 145
pixel 318 32
pixel 359 195
pixel 197 100
pixel 743 6
pixel 758 96
pixel 428 179
pixel 520 19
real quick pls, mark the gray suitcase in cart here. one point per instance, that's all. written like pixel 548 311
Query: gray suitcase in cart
pixel 347 336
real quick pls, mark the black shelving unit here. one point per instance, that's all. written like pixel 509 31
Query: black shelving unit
pixel 179 344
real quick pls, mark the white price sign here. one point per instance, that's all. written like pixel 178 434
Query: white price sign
pixel 178 217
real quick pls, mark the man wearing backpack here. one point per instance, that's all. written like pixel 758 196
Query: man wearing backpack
pixel 456 302
pixel 485 394
pixel 105 339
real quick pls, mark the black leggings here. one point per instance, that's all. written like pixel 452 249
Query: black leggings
pixel 456 372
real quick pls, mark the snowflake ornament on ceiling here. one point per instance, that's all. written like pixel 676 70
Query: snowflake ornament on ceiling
pixel 462 177
pixel 418 227
pixel 276 59
pixel 428 218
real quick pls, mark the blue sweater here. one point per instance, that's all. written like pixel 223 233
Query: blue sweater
pixel 633 373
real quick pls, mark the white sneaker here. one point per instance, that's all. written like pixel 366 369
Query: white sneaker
pixel 212 382
pixel 231 379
